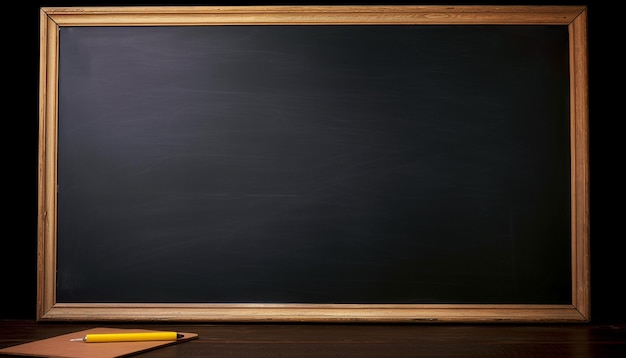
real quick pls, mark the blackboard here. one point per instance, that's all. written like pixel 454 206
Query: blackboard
pixel 292 165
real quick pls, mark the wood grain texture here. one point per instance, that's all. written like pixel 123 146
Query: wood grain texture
pixel 48 127
pixel 344 313
pixel 368 340
pixel 579 86
pixel 364 14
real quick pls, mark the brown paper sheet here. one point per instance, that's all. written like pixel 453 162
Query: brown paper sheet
pixel 62 347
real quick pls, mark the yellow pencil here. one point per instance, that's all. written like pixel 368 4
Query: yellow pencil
pixel 129 337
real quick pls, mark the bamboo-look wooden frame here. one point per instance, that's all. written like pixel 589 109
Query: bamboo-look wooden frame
pixel 51 19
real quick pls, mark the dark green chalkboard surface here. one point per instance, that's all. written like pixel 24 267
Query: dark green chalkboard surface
pixel 314 164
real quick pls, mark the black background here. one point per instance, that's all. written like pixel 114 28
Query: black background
pixel 18 254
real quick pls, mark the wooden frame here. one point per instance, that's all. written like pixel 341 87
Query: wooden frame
pixel 574 17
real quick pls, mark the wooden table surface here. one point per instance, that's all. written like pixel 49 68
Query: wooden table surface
pixel 362 340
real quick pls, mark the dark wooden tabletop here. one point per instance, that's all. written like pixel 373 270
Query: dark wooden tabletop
pixel 363 340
